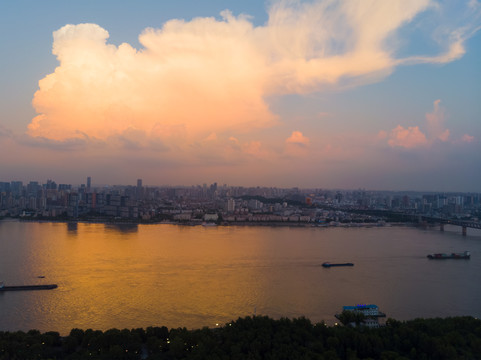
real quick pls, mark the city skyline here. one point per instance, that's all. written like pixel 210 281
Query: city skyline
pixel 93 186
pixel 319 94
pixel 225 204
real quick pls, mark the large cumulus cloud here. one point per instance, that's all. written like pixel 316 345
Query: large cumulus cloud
pixel 207 76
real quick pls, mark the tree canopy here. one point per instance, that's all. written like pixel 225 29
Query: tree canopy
pixel 258 337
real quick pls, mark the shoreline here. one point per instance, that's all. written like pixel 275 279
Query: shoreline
pixel 331 324
pixel 257 337
pixel 223 224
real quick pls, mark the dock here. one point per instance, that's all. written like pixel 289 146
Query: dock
pixel 28 287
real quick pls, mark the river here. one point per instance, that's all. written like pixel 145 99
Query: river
pixel 128 276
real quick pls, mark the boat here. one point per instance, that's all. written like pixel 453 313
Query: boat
pixel 328 264
pixel 441 256
pixel 26 287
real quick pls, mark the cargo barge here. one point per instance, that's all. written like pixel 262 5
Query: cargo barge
pixel 328 264
pixel 27 287
pixel 465 255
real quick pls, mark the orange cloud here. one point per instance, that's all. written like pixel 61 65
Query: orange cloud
pixel 297 138
pixel 297 145
pixel 186 83
pixel 192 79
pixel 408 138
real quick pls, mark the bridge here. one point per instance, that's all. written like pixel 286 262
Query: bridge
pixel 419 218
pixel 444 221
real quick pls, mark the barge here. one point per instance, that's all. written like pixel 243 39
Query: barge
pixel 27 287
pixel 464 255
pixel 328 264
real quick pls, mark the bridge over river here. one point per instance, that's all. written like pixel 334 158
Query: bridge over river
pixel 419 218
pixel 443 221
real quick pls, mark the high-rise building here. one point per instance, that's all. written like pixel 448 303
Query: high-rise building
pixel 89 183
pixel 230 205
pixel 4 186
pixel 32 188
pixel 16 187
pixel 64 187
pixel 139 183
pixel 51 185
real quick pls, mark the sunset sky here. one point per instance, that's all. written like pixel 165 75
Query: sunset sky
pixel 382 95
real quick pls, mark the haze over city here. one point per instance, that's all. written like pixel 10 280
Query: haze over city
pixel 334 94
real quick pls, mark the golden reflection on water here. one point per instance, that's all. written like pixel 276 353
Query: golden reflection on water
pixel 109 274
pixel 128 276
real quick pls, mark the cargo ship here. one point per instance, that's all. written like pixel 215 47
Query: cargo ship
pixel 464 255
pixel 26 287
pixel 328 264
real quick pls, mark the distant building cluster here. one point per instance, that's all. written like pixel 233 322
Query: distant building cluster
pixel 223 204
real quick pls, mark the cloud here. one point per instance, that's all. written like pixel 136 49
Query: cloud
pixel 458 21
pixel 255 149
pixel 234 140
pixel 435 123
pixel 297 145
pixel 211 137
pixel 413 137
pixel 467 138
pixel 298 139
pixel 73 144
pixel 194 78
pixel 186 82
pixel 408 138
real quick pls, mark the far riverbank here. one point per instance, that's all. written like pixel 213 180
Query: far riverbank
pixel 222 224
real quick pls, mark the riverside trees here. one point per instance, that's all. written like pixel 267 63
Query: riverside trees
pixel 257 337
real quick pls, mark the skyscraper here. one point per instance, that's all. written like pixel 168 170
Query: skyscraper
pixel 89 182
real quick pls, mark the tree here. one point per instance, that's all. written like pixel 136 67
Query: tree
pixel 348 317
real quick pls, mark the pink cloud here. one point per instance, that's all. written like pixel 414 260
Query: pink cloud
pixel 408 138
pixel 467 138
pixel 298 138
pixel 412 137
pixel 435 123
pixel 297 145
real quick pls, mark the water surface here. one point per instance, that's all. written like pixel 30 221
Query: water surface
pixel 129 276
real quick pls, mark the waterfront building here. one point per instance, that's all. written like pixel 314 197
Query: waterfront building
pixel 366 310
pixel 370 312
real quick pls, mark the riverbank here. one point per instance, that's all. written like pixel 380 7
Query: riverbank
pixel 222 224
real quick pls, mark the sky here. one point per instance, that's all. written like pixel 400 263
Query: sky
pixel 374 94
